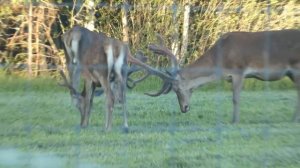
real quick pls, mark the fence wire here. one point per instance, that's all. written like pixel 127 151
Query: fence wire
pixel 40 128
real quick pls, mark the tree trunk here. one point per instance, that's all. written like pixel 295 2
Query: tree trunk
pixel 91 12
pixel 185 32
pixel 29 44
pixel 175 43
pixel 125 21
pixel 37 41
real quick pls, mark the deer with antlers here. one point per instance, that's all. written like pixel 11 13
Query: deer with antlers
pixel 100 61
pixel 266 56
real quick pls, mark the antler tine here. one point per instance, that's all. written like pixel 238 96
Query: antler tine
pixel 134 82
pixel 160 39
pixel 162 50
pixel 140 56
pixel 66 83
pixel 167 79
pixel 163 90
pixel 151 70
pixel 134 68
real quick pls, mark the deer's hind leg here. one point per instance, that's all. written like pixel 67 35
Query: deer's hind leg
pixel 296 80
pixel 122 88
pixel 121 73
pixel 109 101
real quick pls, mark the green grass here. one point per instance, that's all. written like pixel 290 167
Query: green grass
pixel 249 85
pixel 39 128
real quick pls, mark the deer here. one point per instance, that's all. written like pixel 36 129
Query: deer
pixel 102 62
pixel 235 56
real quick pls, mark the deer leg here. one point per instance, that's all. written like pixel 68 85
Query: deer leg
pixel 124 106
pixel 109 102
pixel 123 83
pixel 237 82
pixel 88 93
pixel 296 116
pixel 74 74
pixel 75 82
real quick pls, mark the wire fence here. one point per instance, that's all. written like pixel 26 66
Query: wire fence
pixel 41 128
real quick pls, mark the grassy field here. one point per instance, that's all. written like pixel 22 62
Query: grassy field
pixel 39 128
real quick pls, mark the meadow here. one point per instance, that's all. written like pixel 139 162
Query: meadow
pixel 40 128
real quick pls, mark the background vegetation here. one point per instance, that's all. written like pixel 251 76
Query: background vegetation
pixel 30 30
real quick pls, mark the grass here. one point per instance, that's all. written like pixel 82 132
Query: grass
pixel 39 128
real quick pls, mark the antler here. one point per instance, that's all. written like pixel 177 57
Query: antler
pixel 133 83
pixel 134 68
pixel 167 77
pixel 161 49
pixel 166 88
pixel 67 84
pixel 150 69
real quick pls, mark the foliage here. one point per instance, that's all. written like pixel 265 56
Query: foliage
pixel 214 18
pixel 208 20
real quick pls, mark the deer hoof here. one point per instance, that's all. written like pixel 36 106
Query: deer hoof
pixel 83 125
pixel 107 129
pixel 235 122
pixel 126 130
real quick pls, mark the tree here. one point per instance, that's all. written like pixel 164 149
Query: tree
pixel 185 31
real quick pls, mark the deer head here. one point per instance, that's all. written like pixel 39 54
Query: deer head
pixel 172 80
pixel 77 98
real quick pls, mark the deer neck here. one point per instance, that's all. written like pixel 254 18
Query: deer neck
pixel 198 73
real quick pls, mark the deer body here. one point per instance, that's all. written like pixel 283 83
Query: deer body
pixel 100 60
pixel 267 56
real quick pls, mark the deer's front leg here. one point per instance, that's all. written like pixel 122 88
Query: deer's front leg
pixel 296 117
pixel 237 82
pixel 88 94
pixel 74 74
pixel 109 102
pixel 109 109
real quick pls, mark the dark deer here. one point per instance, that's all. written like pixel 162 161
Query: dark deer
pixel 100 61
pixel 266 56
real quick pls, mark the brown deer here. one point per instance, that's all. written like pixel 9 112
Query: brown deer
pixel 266 56
pixel 100 61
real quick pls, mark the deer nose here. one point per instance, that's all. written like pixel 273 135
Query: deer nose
pixel 186 108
